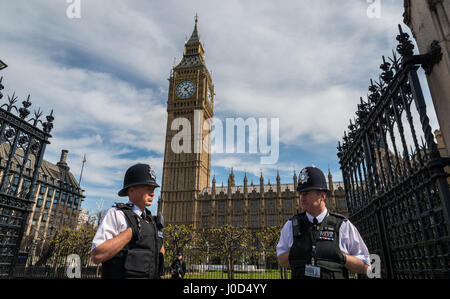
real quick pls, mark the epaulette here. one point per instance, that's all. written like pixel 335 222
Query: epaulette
pixel 120 205
pixel 338 215
pixel 298 214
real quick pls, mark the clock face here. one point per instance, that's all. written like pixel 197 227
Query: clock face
pixel 185 89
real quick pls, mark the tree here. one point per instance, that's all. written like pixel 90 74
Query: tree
pixel 268 240
pixel 176 239
pixel 231 243
pixel 203 242
pixel 70 241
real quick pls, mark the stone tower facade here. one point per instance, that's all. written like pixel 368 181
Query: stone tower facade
pixel 186 195
pixel 187 157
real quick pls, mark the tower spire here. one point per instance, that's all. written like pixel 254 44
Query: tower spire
pixel 245 185
pixel 330 180
pixel 194 54
pixel 278 183
pixel 231 181
pixel 195 38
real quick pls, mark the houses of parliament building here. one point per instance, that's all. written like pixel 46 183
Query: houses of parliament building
pixel 186 194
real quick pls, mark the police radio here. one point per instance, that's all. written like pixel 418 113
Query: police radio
pixel 159 220
pixel 295 227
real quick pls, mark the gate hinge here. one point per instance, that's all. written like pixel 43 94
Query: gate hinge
pixel 428 60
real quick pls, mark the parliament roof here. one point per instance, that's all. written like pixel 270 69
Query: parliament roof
pixel 256 188
pixel 48 170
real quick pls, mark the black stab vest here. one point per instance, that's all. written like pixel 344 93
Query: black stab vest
pixel 139 258
pixel 329 257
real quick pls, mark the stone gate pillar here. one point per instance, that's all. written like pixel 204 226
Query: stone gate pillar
pixel 429 20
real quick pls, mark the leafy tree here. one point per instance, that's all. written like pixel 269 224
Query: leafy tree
pixel 177 238
pixel 231 243
pixel 268 240
pixel 70 241
pixel 203 243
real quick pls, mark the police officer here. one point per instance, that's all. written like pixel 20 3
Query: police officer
pixel 128 241
pixel 318 243
pixel 178 267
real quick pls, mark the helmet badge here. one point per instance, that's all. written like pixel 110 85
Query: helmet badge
pixel 304 176
pixel 151 172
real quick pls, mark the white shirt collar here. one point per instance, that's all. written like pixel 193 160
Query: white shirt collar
pixel 135 208
pixel 319 217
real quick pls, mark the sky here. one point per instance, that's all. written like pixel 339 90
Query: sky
pixel 102 67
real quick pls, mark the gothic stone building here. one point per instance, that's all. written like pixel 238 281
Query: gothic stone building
pixel 186 195
pixel 57 200
pixel 258 206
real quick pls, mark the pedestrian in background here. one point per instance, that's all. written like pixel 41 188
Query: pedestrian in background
pixel 178 267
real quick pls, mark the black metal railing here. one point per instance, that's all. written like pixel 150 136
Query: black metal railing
pixel 214 266
pixel 58 267
pixel 396 188
pixel 21 140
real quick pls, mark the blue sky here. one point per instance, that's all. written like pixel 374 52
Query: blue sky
pixel 306 63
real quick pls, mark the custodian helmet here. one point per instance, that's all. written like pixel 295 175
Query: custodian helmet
pixel 312 178
pixel 139 174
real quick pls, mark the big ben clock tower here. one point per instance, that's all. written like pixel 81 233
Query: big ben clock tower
pixel 191 98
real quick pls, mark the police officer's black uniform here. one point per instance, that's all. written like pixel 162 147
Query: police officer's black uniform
pixel 141 257
pixel 178 267
pixel 316 245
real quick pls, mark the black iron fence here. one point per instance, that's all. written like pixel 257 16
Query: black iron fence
pixel 200 266
pixel 62 265
pixel 23 144
pixel 396 187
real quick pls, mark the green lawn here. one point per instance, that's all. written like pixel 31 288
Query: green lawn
pixel 268 274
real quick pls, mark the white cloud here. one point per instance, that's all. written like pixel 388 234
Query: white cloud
pixel 304 62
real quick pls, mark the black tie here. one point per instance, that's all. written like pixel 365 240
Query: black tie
pixel 144 215
pixel 316 224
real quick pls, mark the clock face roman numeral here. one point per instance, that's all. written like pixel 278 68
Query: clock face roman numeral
pixel 185 89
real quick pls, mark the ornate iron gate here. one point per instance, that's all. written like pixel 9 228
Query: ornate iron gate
pixel 23 145
pixel 396 187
